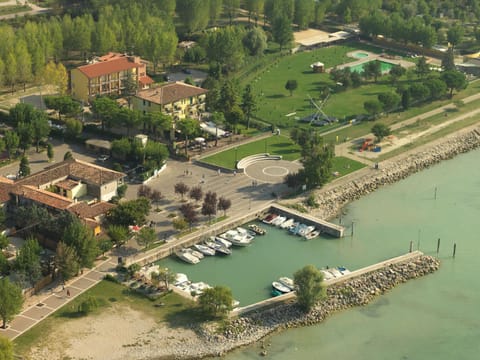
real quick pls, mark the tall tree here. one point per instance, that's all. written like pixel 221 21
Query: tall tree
pixel 181 188
pixel 27 262
pixel 282 31
pixel 224 204
pixel 309 287
pixel 255 41
pixel 231 8
pixel 380 131
pixel 216 301
pixel 12 142
pixel 455 35
pixel 50 152
pixel 209 206
pixel 132 212
pixel 249 103
pixel 254 8
pixel 105 109
pixel 193 14
pixel 80 238
pixel 188 127
pixel 455 80
pixel 304 13
pixel 189 213
pixel 24 64
pixel 24 167
pixel 118 234
pixel 11 74
pixel 291 86
pixel 40 128
pixel 11 300
pixel 448 60
pixel 146 237
pixel 67 261
pixel 196 193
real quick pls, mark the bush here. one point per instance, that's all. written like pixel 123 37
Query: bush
pixel 88 305
pixel 111 278
pixel 311 201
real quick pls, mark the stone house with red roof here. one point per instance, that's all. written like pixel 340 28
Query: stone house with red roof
pixel 71 185
pixel 106 75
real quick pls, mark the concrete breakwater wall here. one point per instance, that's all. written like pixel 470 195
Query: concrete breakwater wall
pixel 332 201
pixel 323 225
pixel 352 292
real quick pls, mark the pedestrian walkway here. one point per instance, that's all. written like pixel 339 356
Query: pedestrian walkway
pixel 57 297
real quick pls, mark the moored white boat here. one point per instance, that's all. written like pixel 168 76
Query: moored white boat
pixel 335 272
pixel 279 220
pixel 237 238
pixel 269 218
pixel 312 235
pixel 286 224
pixel 205 250
pixel 280 287
pixel 180 279
pixel 223 241
pixel 187 256
pixel 295 228
pixel 219 248
pixel 306 230
pixel 287 282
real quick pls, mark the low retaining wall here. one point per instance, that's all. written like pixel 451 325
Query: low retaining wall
pixel 249 160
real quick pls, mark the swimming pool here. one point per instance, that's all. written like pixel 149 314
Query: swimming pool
pixel 384 66
pixel 360 55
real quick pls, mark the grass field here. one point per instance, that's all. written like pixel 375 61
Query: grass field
pixel 274 145
pixel 275 101
pixel 343 166
pixel 176 311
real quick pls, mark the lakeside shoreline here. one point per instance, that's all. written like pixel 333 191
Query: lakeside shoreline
pixel 331 202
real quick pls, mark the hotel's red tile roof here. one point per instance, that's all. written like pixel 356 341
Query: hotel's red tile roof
pixel 42 197
pixel 171 93
pixel 107 67
pixel 6 185
pixel 145 80
pixel 67 184
pixel 84 211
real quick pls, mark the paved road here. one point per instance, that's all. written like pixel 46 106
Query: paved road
pixel 35 9
pixel 52 299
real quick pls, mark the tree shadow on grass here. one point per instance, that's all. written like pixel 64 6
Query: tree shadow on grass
pixel 275 96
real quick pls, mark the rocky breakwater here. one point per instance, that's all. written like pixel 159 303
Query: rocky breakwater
pixel 352 292
pixel 332 201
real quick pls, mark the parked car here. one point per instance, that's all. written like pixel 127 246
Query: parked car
pixel 103 158
pixel 187 71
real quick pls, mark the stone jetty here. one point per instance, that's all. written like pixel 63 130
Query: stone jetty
pixel 254 326
pixel 332 201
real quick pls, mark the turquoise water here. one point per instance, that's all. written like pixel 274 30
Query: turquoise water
pixel 435 317
pixel 384 66
pixel 360 55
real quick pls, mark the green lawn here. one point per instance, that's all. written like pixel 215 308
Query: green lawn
pixel 275 101
pixel 176 310
pixel 274 145
pixel 343 166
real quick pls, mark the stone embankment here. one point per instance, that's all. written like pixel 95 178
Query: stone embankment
pixel 332 201
pixel 353 292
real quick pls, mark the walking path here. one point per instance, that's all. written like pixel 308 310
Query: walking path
pixel 51 299
pixel 35 9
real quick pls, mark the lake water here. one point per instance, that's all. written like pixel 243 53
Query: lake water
pixel 434 317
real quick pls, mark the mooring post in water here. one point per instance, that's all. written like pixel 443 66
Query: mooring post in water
pixel 353 224
pixel 435 193
pixel 438 245
pixel 454 249
pixel 411 246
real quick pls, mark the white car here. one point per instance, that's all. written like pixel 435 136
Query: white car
pixel 103 158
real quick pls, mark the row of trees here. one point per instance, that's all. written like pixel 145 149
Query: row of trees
pixel 211 204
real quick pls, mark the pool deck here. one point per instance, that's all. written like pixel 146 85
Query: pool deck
pixel 372 56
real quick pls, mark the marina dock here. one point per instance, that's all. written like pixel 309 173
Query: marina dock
pixel 291 296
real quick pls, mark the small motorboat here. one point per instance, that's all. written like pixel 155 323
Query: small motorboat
pixel 257 229
pixel 279 220
pixel 286 224
pixel 335 272
pixel 306 230
pixel 269 218
pixel 294 228
pixel 187 256
pixel 219 248
pixel 312 235
pixel 180 279
pixel 223 241
pixel 275 292
pixel 280 287
pixel 205 250
pixel 343 270
pixel 196 253
pixel 287 282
